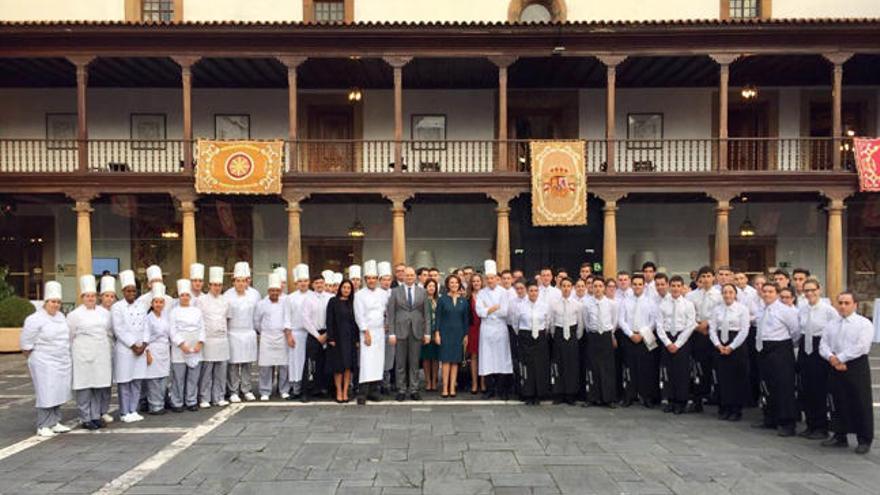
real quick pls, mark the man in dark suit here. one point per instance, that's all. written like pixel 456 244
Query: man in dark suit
pixel 405 325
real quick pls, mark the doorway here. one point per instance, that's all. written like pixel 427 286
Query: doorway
pixel 539 115
pixel 332 254
pixel 330 131
pixel 749 120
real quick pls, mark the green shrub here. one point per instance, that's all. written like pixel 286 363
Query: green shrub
pixel 13 311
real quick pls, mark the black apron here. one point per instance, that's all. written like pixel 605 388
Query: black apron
pixel 534 364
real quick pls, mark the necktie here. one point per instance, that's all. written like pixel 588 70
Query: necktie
pixel 673 325
pixel 535 328
pixel 566 331
pixel 725 326
pixel 409 296
pixel 808 332
pixel 759 335
pixel 599 316
pixel 635 320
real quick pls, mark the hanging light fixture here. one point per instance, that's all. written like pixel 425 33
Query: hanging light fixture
pixel 355 94
pixel 746 229
pixel 357 228
pixel 749 92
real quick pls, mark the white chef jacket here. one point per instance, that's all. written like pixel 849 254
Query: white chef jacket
pixel 158 330
pixel 269 322
pixel 48 339
pixel 295 308
pixel 187 326
pixel 128 327
pixel 242 336
pixel 494 345
pixel 369 313
pixel 215 312
pixel 90 347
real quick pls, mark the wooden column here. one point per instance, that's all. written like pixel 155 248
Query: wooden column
pixel 294 232
pixel 83 208
pixel 503 62
pixel 609 239
pixel 834 251
pixel 611 62
pixel 398 226
pixel 292 63
pixel 186 204
pixel 722 228
pixel 82 124
pixel 397 63
pixel 186 64
pixel 837 59
pixel 724 60
pixel 502 236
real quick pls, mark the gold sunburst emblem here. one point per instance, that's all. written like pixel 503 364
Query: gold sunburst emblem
pixel 239 166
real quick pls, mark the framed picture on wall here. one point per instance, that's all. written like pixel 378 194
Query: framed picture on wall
pixel 60 131
pixel 644 130
pixel 148 131
pixel 232 126
pixel 428 131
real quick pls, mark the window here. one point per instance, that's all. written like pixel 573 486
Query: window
pixel 157 10
pixel 329 11
pixel 536 11
pixel 745 9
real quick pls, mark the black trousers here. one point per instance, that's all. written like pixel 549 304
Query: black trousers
pixel 776 362
pixel 734 390
pixel 676 374
pixel 602 373
pixel 702 354
pixel 619 361
pixel 566 363
pixel 852 408
pixel 813 386
pixel 515 358
pixel 754 370
pixel 534 364
pixel 315 375
pixel 641 371
pixel 584 365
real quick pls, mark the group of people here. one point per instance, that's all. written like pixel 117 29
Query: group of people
pixel 643 337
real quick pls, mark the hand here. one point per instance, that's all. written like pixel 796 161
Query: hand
pixel 703 327
pixel 332 343
pixel 840 366
pixel 368 340
pixel 614 342
pixel 672 348
pixel 198 347
pixel 392 339
pixel 465 341
pixel 28 353
pixel 426 339
pixel 494 308
pixel 290 340
pixel 322 338
pixel 437 338
pixel 636 338
pixel 184 348
pixel 834 361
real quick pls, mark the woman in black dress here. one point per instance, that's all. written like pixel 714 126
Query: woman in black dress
pixel 452 319
pixel 342 335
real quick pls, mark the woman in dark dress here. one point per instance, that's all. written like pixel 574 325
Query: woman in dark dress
pixel 430 350
pixel 452 318
pixel 473 334
pixel 342 335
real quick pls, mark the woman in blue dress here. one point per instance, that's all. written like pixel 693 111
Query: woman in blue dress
pixel 452 319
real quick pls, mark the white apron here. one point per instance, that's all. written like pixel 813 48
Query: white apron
pixel 90 346
pixel 159 345
pixel 215 311
pixel 187 326
pixel 242 336
pixel 294 319
pixel 48 339
pixel 269 321
pixel 494 345
pixel 369 311
pixel 128 326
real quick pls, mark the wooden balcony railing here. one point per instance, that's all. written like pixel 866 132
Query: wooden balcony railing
pixel 445 157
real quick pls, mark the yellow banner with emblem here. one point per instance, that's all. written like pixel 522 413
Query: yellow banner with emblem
pixel 559 183
pixel 239 167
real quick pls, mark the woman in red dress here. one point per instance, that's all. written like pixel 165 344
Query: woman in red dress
pixel 473 337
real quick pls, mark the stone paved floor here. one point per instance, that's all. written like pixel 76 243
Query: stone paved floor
pixel 418 448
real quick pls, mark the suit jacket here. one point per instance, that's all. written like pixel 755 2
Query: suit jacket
pixel 403 319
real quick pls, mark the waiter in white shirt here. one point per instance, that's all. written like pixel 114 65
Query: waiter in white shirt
pixel 748 296
pixel 813 316
pixel 315 379
pixel 506 282
pixel 601 320
pixel 567 327
pixel 777 329
pixel 545 285
pixel 728 330
pixel 531 318
pixel 637 319
pixel 705 298
pixel 845 344
pixel 495 363
pixel 369 313
pixel 676 320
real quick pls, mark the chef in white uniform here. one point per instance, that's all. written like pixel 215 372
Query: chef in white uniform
pixel 282 275
pixel 45 341
pixel 157 327
pixel 187 332
pixel 242 336
pixel 386 280
pixel 107 297
pixel 269 323
pixel 495 361
pixel 215 354
pixel 354 274
pixel 130 360
pixel 197 281
pixel 369 314
pixel 90 347
pixel 295 327
pixel 154 274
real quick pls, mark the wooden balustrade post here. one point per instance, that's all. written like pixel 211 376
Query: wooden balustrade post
pixel 837 59
pixel 186 64
pixel 502 62
pixel 611 62
pixel 292 63
pixel 82 125
pixel 397 63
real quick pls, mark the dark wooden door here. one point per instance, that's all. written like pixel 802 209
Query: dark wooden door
pixel 748 120
pixel 752 255
pixel 820 151
pixel 336 257
pixel 332 129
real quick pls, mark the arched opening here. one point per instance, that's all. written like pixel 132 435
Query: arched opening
pixel 536 11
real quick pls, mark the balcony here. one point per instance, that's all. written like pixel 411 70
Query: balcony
pixel 450 158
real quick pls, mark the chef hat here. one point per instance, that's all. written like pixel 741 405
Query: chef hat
pixel 215 275
pixel 108 284
pixel 274 281
pixel 281 272
pixel 327 275
pixel 241 270
pixel 384 269
pixel 301 272
pixel 157 291
pixel 154 273
pixel 337 278
pixel 490 268
pixel 52 291
pixel 184 286
pixel 197 271
pixel 354 271
pixel 87 284
pixel 370 269
pixel 126 279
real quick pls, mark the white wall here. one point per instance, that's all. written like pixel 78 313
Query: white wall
pixel 238 10
pixel 640 10
pixel 825 8
pixel 51 10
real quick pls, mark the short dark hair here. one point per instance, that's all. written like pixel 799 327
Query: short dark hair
pixel 587 264
pixel 787 289
pixel 662 276
pixel 561 270
pixel 623 272
pixel 420 270
pixel 434 269
pixel 728 284
pixel 599 279
pixel 676 278
pixel 704 270
pixel 802 271
pixel 772 285
pixel 450 277
pixel 725 268
pixel 566 279
pixel 545 268
pixel 814 281
pixel 780 271
pixel 637 276
pixel 506 272
pixel 849 293
pixel 521 281
pixel 530 283
pixel 649 264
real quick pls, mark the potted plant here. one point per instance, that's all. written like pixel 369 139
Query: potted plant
pixel 13 311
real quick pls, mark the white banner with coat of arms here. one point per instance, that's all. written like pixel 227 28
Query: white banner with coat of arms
pixel 559 183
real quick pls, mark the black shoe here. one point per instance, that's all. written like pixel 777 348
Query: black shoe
pixel 177 409
pixel 863 448
pixel 677 410
pixel 374 398
pixel 557 401
pixel 763 426
pixel 488 394
pixel 400 397
pixel 735 416
pixel 668 408
pixel 626 403
pixel 304 399
pixel 611 405
pixel 647 404
pixel 415 396
pixel 505 396
pixel 696 407
pixel 99 423
pixel 818 435
pixel 193 408
pixel 89 425
pixel 835 441
pixel 807 433
pixel 361 401
pixel 158 412
pixel 725 415
pixel 785 431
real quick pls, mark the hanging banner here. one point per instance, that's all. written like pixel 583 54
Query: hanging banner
pixel 239 167
pixel 868 163
pixel 559 183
